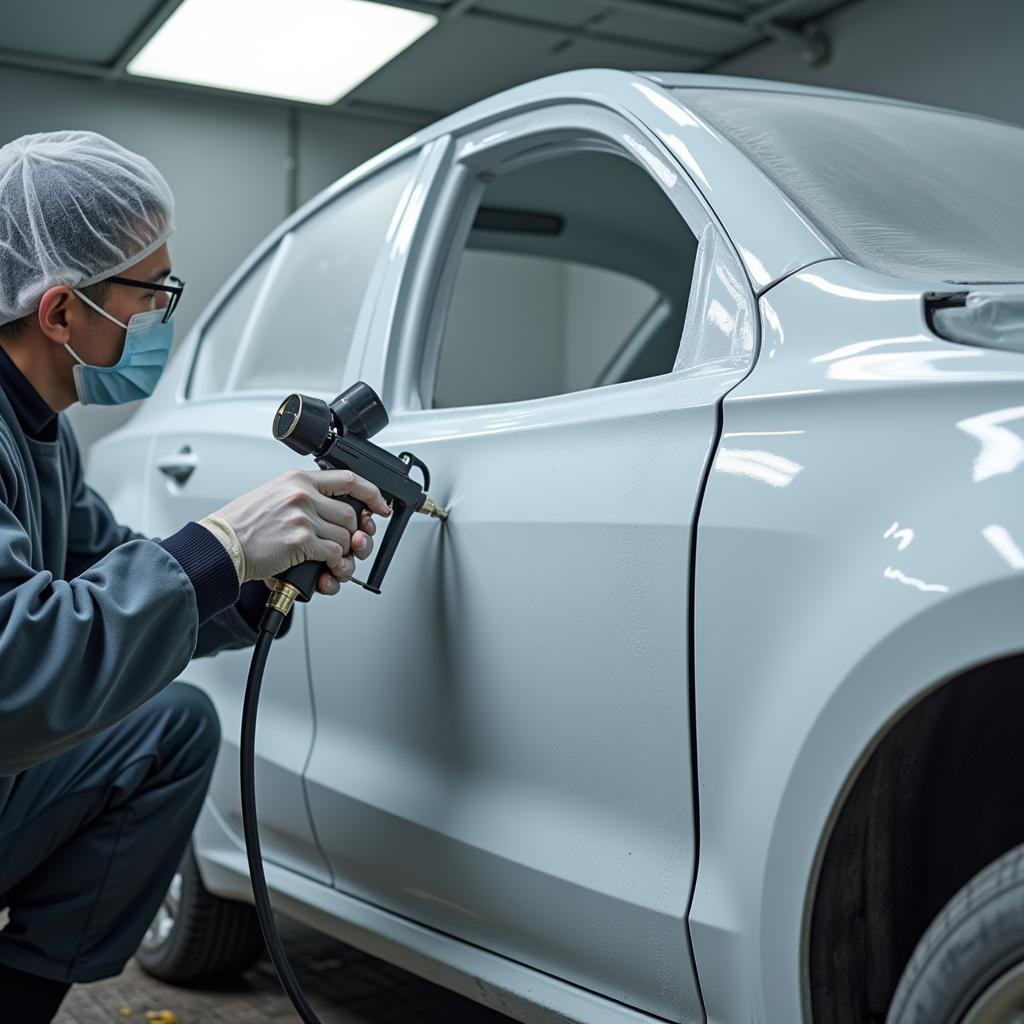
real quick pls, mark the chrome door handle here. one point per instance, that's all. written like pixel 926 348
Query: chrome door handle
pixel 180 466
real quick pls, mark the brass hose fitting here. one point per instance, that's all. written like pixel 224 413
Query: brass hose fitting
pixel 282 597
pixel 431 508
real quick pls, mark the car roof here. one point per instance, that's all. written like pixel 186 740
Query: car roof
pixel 684 80
pixel 585 80
pixel 771 236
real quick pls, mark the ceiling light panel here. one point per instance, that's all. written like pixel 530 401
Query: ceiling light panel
pixel 314 51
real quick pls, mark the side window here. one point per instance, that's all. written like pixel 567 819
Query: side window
pixel 219 343
pixel 576 273
pixel 291 322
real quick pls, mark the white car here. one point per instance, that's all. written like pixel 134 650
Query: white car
pixel 707 698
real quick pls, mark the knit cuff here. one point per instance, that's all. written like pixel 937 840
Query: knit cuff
pixel 225 533
pixel 208 565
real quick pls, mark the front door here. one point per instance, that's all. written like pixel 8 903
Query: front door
pixel 503 743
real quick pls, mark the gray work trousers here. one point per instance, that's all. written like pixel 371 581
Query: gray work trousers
pixel 90 839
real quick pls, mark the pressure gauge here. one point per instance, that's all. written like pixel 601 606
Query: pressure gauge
pixel 303 423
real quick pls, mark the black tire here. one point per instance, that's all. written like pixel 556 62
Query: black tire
pixel 969 964
pixel 196 936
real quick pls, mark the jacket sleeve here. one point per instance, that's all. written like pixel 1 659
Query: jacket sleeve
pixel 78 655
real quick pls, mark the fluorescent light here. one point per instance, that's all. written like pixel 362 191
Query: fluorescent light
pixel 310 50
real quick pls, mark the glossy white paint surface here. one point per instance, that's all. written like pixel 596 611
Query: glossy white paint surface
pixel 506 986
pixel 501 748
pixel 862 528
pixel 503 754
pixel 501 774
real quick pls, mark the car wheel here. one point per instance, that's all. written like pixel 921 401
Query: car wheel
pixel 196 935
pixel 968 967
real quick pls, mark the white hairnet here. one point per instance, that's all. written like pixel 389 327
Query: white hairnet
pixel 75 207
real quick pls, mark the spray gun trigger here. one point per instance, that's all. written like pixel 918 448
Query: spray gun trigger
pixel 364 585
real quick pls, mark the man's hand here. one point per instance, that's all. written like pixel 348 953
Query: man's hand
pixel 362 546
pixel 297 518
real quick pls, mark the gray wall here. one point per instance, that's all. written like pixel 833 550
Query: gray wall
pixel 503 336
pixel 524 326
pixel 225 159
pixel 603 308
pixel 964 54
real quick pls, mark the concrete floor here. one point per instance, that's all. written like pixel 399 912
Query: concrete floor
pixel 343 985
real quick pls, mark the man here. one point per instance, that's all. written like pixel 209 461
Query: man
pixel 103 765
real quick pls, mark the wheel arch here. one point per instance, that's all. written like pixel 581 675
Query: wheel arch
pixel 925 774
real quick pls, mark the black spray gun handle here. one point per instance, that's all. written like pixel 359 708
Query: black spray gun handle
pixel 305 575
pixel 337 436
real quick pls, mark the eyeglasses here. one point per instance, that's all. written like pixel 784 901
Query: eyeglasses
pixel 172 286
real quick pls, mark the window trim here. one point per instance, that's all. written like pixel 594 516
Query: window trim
pixel 497 147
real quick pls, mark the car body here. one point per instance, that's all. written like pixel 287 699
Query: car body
pixel 583 757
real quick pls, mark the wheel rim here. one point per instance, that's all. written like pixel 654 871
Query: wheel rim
pixel 1002 1002
pixel 167 914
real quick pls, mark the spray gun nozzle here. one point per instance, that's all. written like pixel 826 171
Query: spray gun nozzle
pixel 431 508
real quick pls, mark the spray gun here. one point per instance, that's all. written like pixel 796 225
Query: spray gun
pixel 338 437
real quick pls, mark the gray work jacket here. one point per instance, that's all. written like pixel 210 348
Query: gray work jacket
pixel 94 618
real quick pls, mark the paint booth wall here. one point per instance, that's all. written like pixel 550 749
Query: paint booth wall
pixel 225 159
pixel 963 54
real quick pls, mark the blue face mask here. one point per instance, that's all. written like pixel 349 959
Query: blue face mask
pixel 147 344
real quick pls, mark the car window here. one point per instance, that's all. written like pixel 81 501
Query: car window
pixel 221 336
pixel 291 323
pixel 571 262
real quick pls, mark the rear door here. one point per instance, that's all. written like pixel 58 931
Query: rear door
pixel 293 322
pixel 503 745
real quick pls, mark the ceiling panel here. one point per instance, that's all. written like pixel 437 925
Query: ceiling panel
pixel 95 31
pixel 797 12
pixel 569 13
pixel 701 35
pixel 459 61
pixel 734 7
pixel 480 57
pixel 635 22
pixel 478 48
pixel 587 53
pixel 809 9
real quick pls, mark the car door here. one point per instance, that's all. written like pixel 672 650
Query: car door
pixel 503 743
pixel 291 322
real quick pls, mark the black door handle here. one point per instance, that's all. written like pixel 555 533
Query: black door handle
pixel 180 466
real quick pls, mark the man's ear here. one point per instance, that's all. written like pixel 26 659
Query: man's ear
pixel 55 313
